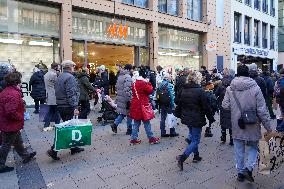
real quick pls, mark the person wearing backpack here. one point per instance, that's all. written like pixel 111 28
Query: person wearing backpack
pixel 279 95
pixel 270 90
pixel 166 97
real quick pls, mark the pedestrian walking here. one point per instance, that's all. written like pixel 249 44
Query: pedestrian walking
pixel 166 95
pixel 5 68
pixel 67 98
pixel 248 109
pixel 86 89
pixel 253 73
pixel 225 115
pixel 112 81
pixel 104 81
pixel 123 98
pixel 37 87
pixel 141 90
pixel 192 107
pixel 12 121
pixel 49 79
pixel 270 91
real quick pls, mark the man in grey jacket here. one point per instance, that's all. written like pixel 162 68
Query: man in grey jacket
pixel 67 98
pixel 123 98
pixel 250 97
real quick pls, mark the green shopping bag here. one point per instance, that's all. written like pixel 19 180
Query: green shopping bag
pixel 73 133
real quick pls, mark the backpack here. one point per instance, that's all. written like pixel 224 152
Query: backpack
pixel 164 96
pixel 279 89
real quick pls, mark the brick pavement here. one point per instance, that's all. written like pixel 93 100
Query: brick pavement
pixel 112 163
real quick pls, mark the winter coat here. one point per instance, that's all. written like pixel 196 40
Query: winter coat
pixel 67 90
pixel 144 89
pixel 104 82
pixel 250 96
pixel 260 82
pixel 192 101
pixel 37 86
pixel 269 85
pixel 123 89
pixel 11 110
pixel 180 81
pixel 85 86
pixel 49 80
pixel 171 92
pixel 225 115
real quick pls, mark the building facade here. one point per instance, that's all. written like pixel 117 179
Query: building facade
pixel 281 33
pixel 254 29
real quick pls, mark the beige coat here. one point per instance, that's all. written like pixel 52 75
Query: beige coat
pixel 49 80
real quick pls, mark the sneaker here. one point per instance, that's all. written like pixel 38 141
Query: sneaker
pixel 135 142
pixel 28 159
pixel 248 175
pixel 241 177
pixel 113 127
pixel 76 150
pixel 45 129
pixel 129 132
pixel 188 141
pixel 154 140
pixel 196 159
pixel 5 169
pixel 53 154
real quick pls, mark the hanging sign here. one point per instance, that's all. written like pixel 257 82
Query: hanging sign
pixel 211 46
pixel 117 31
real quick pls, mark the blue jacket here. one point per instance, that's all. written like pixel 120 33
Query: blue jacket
pixel 170 90
pixel 269 85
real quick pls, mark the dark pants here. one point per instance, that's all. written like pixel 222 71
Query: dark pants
pixel 268 101
pixel 37 101
pixel 9 139
pixel 85 109
pixel 223 131
pixel 52 113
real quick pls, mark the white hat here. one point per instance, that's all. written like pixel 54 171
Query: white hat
pixel 252 67
pixel 67 63
pixel 102 67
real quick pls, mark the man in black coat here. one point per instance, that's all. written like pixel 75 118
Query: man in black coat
pixel 253 73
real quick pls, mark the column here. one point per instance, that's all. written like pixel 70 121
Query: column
pixel 66 31
pixel 153 44
pixel 182 8
pixel 153 5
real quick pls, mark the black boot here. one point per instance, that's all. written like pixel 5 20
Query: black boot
pixel 208 132
pixel 248 175
pixel 223 136
pixel 53 154
pixel 241 177
pixel 5 169
pixel 114 127
pixel 28 159
pixel 188 141
pixel 231 138
pixel 173 132
pixel 129 131
pixel 181 159
pixel 76 150
pixel 196 158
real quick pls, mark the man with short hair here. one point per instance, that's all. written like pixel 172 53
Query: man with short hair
pixel 67 98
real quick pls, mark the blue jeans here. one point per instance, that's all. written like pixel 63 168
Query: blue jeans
pixel 135 129
pixel 53 114
pixel 252 150
pixel 195 133
pixel 119 119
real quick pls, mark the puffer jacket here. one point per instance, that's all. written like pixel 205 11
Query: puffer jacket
pixel 171 92
pixel 85 86
pixel 37 86
pixel 123 88
pixel 103 82
pixel 67 90
pixel 193 105
pixel 11 109
pixel 250 96
pixel 260 82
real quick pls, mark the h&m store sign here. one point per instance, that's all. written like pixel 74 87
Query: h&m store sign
pixel 251 52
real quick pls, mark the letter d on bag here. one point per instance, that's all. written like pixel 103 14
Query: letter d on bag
pixel 79 135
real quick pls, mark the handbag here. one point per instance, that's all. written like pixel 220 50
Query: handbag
pixel 248 117
pixel 147 111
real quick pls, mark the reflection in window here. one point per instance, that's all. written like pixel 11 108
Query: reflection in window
pixel 78 53
pixel 247 30
pixel 168 6
pixel 256 33
pixel 194 9
pixel 139 3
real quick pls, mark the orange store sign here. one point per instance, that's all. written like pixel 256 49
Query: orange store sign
pixel 117 31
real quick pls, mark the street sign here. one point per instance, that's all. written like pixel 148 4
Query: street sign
pixel 211 46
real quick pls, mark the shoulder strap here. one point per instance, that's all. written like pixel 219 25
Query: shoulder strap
pixel 237 101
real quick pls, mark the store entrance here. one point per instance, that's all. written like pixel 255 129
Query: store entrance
pixel 262 63
pixel 109 55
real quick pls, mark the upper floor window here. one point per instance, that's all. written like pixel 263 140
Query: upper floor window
pixel 139 3
pixel 264 6
pixel 194 9
pixel 237 31
pixel 264 35
pixel 247 30
pixel 256 33
pixel 248 2
pixel 257 4
pixel 272 7
pixel 168 6
pixel 272 37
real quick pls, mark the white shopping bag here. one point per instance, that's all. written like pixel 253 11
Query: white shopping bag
pixel 172 121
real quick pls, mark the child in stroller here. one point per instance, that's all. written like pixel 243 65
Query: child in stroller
pixel 109 110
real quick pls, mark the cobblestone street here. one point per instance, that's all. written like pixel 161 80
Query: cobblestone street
pixel 110 162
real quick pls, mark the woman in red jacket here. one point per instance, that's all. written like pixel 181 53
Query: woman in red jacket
pixel 141 89
pixel 12 121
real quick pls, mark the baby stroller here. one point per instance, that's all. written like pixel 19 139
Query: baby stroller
pixel 109 111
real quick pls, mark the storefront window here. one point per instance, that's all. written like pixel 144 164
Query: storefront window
pixel 194 9
pixel 21 17
pixel 178 48
pixel 78 53
pixel 144 56
pixel 107 29
pixel 168 6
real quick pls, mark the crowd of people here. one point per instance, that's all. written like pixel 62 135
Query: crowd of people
pixel 243 101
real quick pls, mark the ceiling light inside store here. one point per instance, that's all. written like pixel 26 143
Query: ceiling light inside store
pixel 41 43
pixel 81 53
pixel 181 54
pixel 195 56
pixel 12 41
